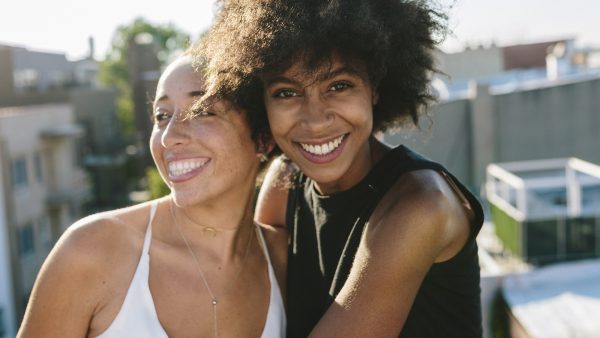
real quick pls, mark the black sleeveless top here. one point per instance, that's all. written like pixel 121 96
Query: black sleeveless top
pixel 325 232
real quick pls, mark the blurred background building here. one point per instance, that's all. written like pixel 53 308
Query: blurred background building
pixel 491 112
pixel 61 157
pixel 526 118
pixel 73 141
pixel 546 211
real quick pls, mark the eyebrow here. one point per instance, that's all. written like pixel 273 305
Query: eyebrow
pixel 280 79
pixel 321 77
pixel 340 71
pixel 193 93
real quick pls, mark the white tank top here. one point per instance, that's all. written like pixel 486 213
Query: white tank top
pixel 138 318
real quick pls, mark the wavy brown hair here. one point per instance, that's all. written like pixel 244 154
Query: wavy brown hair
pixel 392 40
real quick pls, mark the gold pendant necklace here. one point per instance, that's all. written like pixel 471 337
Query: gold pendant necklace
pixel 205 228
pixel 214 301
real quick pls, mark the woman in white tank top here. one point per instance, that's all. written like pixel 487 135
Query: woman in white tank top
pixel 192 264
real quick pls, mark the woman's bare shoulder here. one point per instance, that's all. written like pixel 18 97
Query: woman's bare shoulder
pixel 78 275
pixel 425 205
pixel 271 204
pixel 95 238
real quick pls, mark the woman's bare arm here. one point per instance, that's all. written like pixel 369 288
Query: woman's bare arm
pixel 270 213
pixel 419 222
pixel 68 288
pixel 271 205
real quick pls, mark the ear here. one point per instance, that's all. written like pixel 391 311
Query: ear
pixel 269 146
pixel 265 148
pixel 374 96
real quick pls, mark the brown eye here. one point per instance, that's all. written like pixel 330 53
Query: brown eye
pixel 339 86
pixel 201 113
pixel 284 93
pixel 161 115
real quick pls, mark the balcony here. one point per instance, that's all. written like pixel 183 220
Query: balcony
pixel 546 211
pixel 62 131
pixel 76 188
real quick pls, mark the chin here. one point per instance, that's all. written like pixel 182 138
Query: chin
pixel 321 177
pixel 183 199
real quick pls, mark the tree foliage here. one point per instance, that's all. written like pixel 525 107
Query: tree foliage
pixel 156 186
pixel 113 69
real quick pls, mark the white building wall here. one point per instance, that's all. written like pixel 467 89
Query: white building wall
pixel 46 132
pixel 471 63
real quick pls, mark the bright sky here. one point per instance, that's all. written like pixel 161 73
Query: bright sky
pixel 523 21
pixel 65 25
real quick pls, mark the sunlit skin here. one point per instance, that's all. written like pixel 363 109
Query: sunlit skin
pixel 421 220
pixel 210 162
pixel 216 140
pixel 334 108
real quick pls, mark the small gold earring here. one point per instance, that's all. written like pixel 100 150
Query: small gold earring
pixel 263 158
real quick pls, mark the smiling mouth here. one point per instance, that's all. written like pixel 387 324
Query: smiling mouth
pixel 323 148
pixel 182 167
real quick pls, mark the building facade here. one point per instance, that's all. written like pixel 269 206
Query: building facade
pixel 518 115
pixel 44 188
pixel 62 157
pixel 30 77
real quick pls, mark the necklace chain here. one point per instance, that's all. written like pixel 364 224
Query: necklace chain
pixel 206 228
pixel 214 300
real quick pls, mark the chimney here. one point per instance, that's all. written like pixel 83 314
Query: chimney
pixel 91 48
pixel 558 59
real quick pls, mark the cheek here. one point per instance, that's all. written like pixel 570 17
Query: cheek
pixel 156 150
pixel 233 143
pixel 239 160
pixel 282 114
pixel 155 143
pixel 278 124
pixel 363 113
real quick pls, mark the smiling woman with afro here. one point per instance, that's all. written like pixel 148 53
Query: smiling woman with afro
pixel 368 240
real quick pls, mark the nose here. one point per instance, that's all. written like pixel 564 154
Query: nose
pixel 317 113
pixel 176 132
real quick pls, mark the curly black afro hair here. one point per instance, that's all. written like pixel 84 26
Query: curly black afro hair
pixel 392 40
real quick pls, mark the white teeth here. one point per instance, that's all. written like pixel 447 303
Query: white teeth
pixel 322 149
pixel 178 168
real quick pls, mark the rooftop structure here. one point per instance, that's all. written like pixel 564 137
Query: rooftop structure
pixel 546 210
pixel 516 67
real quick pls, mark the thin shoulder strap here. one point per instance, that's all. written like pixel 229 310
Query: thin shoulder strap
pixel 263 243
pixel 148 237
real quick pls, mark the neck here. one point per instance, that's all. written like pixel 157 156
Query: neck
pixel 222 235
pixel 372 151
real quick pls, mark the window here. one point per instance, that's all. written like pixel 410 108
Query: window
pixel 58 79
pixel 2 325
pixel 542 241
pixel 26 243
pixel 26 79
pixel 19 172
pixel 39 170
pixel 73 211
pixel 581 237
pixel 45 232
pixel 552 196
